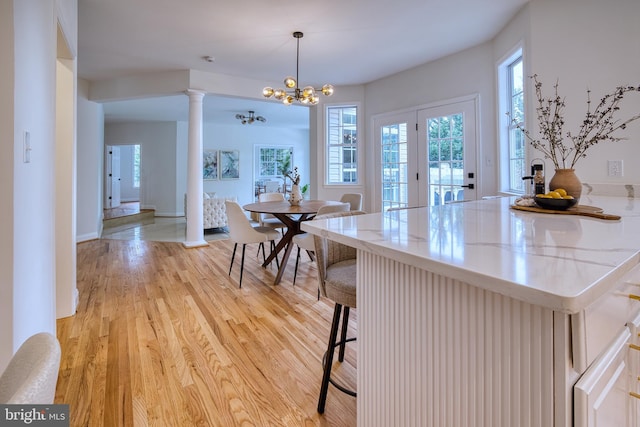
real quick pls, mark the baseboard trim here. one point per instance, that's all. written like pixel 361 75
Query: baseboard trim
pixel 87 237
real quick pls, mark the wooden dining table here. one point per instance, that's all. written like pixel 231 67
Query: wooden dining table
pixel 292 216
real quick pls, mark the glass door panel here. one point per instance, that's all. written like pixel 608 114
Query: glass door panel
pixel 395 168
pixel 448 149
pixel 396 185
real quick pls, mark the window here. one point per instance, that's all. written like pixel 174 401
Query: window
pixel 273 162
pixel 136 166
pixel 513 146
pixel 342 146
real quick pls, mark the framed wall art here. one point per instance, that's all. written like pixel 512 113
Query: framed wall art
pixel 210 165
pixel 229 164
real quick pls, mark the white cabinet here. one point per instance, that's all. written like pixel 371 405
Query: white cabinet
pixel 634 365
pixel 608 393
pixel 602 393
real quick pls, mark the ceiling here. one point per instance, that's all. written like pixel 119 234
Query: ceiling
pixel 218 109
pixel 344 43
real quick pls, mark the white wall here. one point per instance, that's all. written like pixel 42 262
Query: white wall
pixel 27 279
pixel 469 72
pixel 244 138
pixel 90 166
pixel 34 191
pixel 589 44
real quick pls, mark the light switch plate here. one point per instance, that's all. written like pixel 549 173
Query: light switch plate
pixel 26 145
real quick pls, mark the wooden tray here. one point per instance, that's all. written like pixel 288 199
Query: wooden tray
pixel 583 210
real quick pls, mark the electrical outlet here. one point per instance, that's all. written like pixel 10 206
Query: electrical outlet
pixel 614 167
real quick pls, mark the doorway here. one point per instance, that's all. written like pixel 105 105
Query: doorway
pixel 122 180
pixel 427 156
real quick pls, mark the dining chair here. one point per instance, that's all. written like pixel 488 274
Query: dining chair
pixel 271 186
pixel 32 373
pixel 268 220
pixel 305 240
pixel 241 231
pixel 337 282
pixel 354 199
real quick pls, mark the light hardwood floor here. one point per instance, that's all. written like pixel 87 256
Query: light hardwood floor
pixel 163 337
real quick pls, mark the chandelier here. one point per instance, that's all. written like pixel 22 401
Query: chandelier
pixel 250 118
pixel 306 95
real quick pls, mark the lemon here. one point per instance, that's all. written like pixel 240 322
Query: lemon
pixel 554 195
pixel 540 195
pixel 567 197
pixel 561 191
pixel 544 196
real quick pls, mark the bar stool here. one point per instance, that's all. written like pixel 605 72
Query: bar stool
pixel 354 199
pixel 337 282
pixel 305 240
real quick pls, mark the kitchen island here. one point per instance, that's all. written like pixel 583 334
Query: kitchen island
pixel 475 314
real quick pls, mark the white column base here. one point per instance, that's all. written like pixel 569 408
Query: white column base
pixel 195 244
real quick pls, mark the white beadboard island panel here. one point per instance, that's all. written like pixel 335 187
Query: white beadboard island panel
pixel 439 352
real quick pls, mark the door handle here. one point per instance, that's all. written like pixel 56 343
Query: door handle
pixel 470 186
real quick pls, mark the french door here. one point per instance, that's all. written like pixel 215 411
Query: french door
pixel 427 156
pixel 396 139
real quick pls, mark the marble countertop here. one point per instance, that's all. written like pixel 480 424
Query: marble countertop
pixel 562 262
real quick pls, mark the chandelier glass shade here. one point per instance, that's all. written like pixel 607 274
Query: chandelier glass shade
pixel 306 95
pixel 250 118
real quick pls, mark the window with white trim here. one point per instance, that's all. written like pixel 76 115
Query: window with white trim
pixel 342 145
pixel 511 106
pixel 273 162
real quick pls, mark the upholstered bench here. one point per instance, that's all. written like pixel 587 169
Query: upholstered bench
pixel 213 210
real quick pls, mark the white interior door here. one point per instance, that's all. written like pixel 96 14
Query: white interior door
pixel 447 153
pixel 112 178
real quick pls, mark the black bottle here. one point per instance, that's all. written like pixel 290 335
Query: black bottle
pixel 538 179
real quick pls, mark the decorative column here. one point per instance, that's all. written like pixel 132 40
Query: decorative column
pixel 195 218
